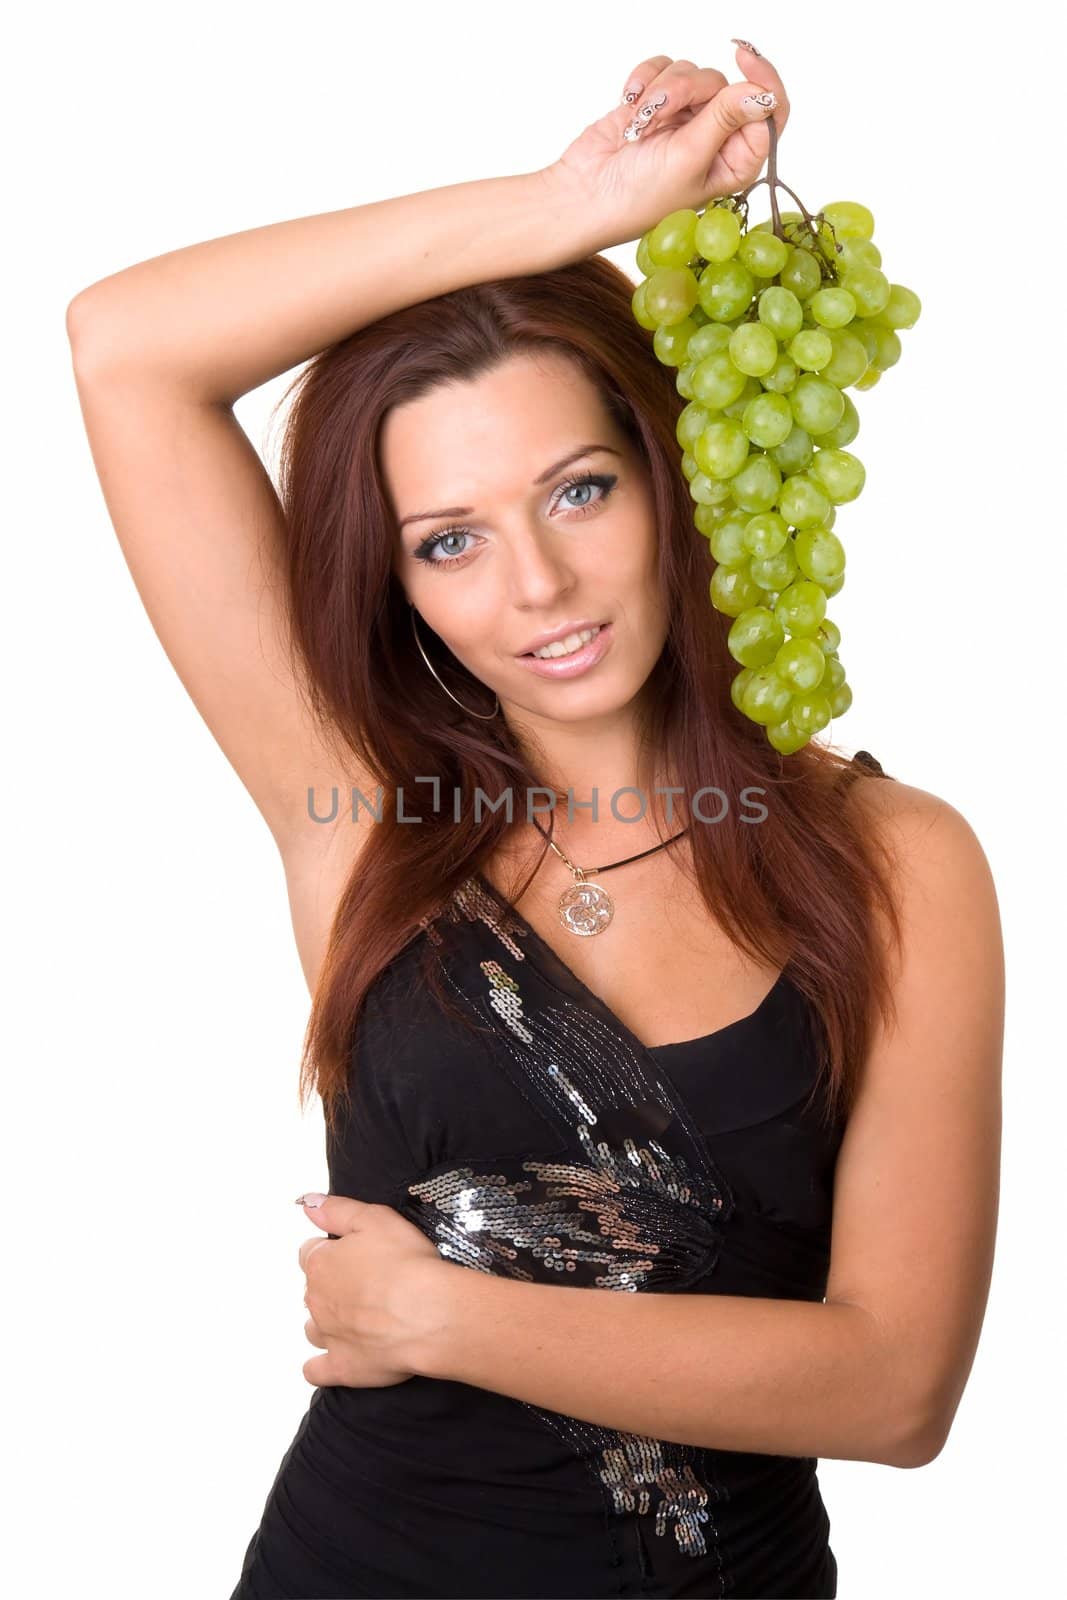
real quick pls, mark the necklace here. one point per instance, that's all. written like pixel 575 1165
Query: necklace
pixel 584 907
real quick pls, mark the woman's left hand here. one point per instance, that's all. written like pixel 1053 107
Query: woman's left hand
pixel 369 1293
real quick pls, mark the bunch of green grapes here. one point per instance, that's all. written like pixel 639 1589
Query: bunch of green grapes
pixel 768 326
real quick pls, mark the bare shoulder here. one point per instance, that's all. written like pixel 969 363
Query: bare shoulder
pixel 921 828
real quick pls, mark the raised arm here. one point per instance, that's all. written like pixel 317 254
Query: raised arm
pixel 162 350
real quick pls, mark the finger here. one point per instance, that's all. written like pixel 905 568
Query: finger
pixel 313 1334
pixel 759 70
pixel 734 107
pixel 642 76
pixel 308 1248
pixel 673 97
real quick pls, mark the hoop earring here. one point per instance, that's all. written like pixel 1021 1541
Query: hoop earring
pixel 486 716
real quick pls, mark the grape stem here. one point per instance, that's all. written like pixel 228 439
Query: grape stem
pixel 774 183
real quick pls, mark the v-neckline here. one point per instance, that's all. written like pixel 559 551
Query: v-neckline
pixel 652 1050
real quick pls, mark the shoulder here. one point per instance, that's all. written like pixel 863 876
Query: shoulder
pixel 943 880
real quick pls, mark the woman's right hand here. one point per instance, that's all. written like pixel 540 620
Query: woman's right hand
pixel 705 140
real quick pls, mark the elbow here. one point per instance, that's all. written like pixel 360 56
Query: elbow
pixel 918 1434
pixel 92 340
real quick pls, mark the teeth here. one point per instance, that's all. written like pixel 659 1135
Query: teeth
pixel 567 647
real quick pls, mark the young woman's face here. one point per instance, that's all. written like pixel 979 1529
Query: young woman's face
pixel 535 550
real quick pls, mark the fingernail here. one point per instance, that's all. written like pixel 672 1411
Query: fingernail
pixel 631 92
pixel 746 46
pixel 310 1200
pixel 759 105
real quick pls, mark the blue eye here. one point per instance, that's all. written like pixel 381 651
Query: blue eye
pixel 605 482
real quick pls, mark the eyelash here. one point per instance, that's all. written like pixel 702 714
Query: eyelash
pixel 603 481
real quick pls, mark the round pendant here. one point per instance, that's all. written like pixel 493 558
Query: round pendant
pixel 585 908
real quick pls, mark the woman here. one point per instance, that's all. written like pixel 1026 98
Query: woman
pixel 782 1012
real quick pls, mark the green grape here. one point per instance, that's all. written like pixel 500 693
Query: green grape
pixel 882 344
pixel 670 294
pixel 858 253
pixel 672 242
pixel 820 554
pixel 753 349
pixel 869 379
pixel 811 349
pixel 710 337
pixel 783 377
pixel 832 586
pixel 801 273
pixel 699 316
pixel 835 672
pixel 708 491
pixel 637 306
pixel 795 452
pixel 903 307
pixel 829 636
pixel 690 467
pixel 692 420
pixel 846 429
pixel 869 287
pixel 810 712
pixel 739 685
pixel 707 519
pixel 766 534
pixel 684 380
pixel 645 264
pixel 718 234
pixel 727 541
pixel 755 637
pixel 842 699
pixel 722 448
pixel 733 590
pixel 764 254
pixel 786 219
pixel 803 502
pixel 768 420
pixel 849 219
pixel 671 344
pixel 801 607
pixel 716 380
pixel 841 474
pixel 831 516
pixel 765 697
pixel 799 663
pixel 725 290
pixel 786 737
pixel 780 310
pixel 817 404
pixel 832 308
pixel 751 390
pixel 777 572
pixel 755 486
pixel 849 360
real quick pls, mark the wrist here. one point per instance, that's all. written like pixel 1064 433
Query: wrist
pixel 431 1296
pixel 570 213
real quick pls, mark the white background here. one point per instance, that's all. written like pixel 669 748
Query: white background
pixel 152 1141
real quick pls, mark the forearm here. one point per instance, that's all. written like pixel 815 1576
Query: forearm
pixel 778 1377
pixel 225 316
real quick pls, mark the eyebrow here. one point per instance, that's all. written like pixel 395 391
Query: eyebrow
pixel 557 466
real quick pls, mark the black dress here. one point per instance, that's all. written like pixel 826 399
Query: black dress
pixel 553 1146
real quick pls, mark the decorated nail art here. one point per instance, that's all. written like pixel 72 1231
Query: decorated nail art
pixel 746 46
pixel 647 111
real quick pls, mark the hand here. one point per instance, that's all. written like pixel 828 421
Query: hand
pixel 369 1293
pixel 702 143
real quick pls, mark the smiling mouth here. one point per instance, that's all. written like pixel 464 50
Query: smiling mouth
pixel 561 654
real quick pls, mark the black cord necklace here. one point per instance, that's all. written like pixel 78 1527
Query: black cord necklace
pixel 584 907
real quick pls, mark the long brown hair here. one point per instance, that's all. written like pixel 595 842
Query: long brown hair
pixel 806 884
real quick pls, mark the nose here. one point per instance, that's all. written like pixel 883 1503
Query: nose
pixel 539 572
